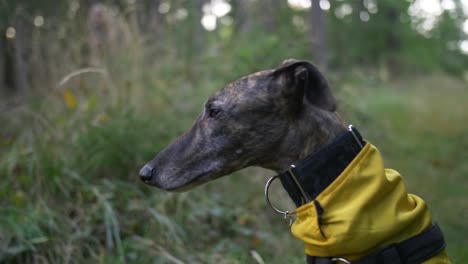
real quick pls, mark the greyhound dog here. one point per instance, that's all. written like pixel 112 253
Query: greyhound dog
pixel 287 115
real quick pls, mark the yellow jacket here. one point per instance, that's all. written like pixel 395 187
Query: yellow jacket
pixel 366 208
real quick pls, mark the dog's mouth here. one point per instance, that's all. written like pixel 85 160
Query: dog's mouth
pixel 199 179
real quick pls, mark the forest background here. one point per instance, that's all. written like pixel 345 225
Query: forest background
pixel 91 90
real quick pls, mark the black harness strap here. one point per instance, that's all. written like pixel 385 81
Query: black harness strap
pixel 414 250
pixel 318 170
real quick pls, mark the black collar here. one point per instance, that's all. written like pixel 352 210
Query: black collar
pixel 318 170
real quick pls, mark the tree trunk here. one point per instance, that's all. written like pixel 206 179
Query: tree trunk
pixel 154 20
pixel 196 39
pixel 239 13
pixel 197 28
pixel 393 41
pixel 2 63
pixel 8 66
pixel 21 56
pixel 267 13
pixel 319 35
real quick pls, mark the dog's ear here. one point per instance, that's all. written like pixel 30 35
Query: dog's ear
pixel 300 79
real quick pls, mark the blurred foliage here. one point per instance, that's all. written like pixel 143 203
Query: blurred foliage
pixel 96 111
pixel 392 36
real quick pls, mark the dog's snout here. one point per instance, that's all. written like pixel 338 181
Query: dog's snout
pixel 146 173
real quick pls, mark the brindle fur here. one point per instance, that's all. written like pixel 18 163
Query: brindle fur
pixel 270 119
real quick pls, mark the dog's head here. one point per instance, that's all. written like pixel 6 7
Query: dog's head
pixel 248 122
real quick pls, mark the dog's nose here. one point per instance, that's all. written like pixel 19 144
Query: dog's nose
pixel 146 173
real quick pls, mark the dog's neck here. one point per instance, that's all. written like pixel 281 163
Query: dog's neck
pixel 305 136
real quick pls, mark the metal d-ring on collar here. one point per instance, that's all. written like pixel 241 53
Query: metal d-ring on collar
pixel 267 188
pixel 293 176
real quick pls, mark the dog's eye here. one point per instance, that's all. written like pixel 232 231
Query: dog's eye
pixel 213 112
